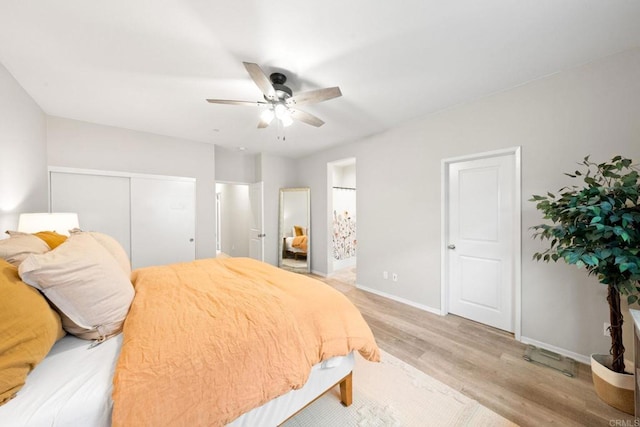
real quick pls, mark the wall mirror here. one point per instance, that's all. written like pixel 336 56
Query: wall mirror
pixel 294 235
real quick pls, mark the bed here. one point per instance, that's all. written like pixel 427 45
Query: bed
pixel 192 351
pixel 84 397
pixel 296 245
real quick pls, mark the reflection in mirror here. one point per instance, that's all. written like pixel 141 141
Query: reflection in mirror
pixel 295 246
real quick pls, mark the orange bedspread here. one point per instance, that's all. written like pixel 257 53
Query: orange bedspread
pixel 206 341
pixel 300 242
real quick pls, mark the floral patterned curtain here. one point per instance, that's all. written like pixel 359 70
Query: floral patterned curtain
pixel 344 235
pixel 344 223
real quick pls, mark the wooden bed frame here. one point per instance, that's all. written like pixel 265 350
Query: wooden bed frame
pixel 346 394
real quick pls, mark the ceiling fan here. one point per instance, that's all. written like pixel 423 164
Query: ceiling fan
pixel 280 99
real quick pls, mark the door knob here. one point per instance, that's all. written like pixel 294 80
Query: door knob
pixel 451 246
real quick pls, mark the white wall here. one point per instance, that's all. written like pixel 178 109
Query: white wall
pixel 235 166
pixel 345 176
pixel 594 109
pixel 235 215
pixel 76 144
pixel 23 154
pixel 276 173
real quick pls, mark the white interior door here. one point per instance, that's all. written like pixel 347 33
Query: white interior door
pixel 256 231
pixel 162 221
pixel 481 240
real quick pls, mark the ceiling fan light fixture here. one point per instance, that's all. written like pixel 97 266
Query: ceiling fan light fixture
pixel 267 116
pixel 281 110
pixel 278 99
pixel 286 120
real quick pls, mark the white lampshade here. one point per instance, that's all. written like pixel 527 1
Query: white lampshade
pixel 59 222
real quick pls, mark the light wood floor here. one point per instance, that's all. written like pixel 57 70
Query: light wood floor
pixel 481 362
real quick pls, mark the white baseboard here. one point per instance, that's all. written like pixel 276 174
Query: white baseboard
pixel 525 340
pixel 399 299
pixel 575 356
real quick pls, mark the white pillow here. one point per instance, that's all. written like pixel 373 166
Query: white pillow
pixel 111 245
pixel 85 283
pixel 20 245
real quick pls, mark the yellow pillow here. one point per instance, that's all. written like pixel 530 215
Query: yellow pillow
pixel 51 238
pixel 19 246
pixel 299 230
pixel 28 327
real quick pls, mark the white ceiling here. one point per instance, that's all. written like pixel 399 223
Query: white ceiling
pixel 149 65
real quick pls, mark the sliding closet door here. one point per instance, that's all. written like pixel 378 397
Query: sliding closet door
pixel 162 220
pixel 101 202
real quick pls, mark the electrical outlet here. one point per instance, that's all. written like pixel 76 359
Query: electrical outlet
pixel 385 275
pixel 394 277
pixel 607 332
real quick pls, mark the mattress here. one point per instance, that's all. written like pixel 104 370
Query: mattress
pixel 72 387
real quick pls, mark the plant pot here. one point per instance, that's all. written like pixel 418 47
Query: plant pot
pixel 613 388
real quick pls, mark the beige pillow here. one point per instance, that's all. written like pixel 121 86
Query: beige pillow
pixel 111 245
pixel 28 330
pixel 19 246
pixel 85 283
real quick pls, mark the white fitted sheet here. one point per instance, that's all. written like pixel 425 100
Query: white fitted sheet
pixel 72 387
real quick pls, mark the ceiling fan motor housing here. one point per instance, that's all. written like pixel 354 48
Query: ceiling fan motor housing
pixel 282 92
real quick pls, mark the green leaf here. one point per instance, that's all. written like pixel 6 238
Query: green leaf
pixel 605 253
pixel 606 206
pixel 589 260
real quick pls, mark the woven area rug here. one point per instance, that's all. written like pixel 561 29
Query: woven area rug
pixel 393 393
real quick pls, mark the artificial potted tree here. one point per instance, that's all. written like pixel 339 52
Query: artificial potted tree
pixel 596 226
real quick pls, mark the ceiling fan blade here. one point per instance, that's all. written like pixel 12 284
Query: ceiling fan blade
pixel 232 102
pixel 307 118
pixel 261 80
pixel 314 96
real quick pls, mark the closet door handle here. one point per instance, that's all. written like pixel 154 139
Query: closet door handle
pixel 451 246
